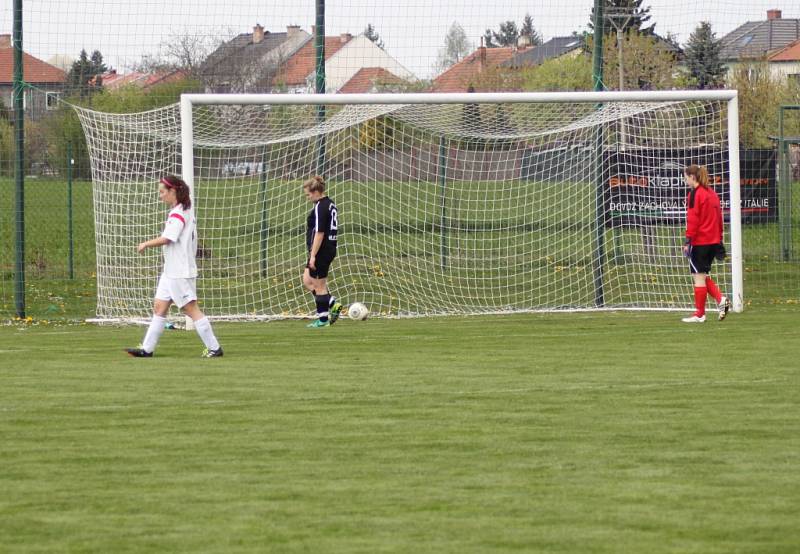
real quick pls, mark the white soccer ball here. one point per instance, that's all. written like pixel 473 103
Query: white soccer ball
pixel 358 311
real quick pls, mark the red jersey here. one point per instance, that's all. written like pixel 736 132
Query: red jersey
pixel 703 217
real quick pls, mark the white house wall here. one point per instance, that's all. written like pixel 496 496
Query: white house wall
pixel 357 54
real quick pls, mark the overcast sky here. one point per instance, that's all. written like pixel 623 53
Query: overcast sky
pixel 413 30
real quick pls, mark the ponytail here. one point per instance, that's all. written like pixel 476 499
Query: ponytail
pixel 699 172
pixel 181 190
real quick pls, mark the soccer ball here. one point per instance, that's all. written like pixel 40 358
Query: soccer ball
pixel 358 311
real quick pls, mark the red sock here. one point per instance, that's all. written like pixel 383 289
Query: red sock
pixel 700 301
pixel 713 289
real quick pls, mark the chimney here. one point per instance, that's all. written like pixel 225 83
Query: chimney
pixel 773 14
pixel 482 57
pixel 5 41
pixel 258 34
pixel 345 37
pixel 292 31
pixel 523 42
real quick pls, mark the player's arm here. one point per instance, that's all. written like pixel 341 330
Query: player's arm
pixel 172 230
pixel 316 244
pixel 152 243
pixel 323 226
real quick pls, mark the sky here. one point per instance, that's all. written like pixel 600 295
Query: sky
pixel 413 31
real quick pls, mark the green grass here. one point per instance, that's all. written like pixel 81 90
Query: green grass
pixel 599 433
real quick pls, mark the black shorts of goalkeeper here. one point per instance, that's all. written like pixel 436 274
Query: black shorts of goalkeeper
pixel 322 263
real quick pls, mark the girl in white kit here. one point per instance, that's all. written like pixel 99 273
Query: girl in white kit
pixel 177 282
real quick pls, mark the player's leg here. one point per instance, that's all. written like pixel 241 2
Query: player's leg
pixel 698 264
pixel 203 327
pixel 156 327
pixel 321 301
pixel 316 280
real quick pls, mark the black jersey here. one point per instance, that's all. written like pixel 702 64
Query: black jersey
pixel 323 219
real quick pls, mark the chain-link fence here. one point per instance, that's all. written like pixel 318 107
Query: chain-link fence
pixel 125 56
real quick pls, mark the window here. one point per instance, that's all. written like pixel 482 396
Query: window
pixel 794 78
pixel 52 99
pixel 745 40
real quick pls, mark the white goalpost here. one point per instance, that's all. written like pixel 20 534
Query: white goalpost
pixel 449 203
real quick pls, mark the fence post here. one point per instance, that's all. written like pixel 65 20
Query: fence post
pixel 19 169
pixel 70 220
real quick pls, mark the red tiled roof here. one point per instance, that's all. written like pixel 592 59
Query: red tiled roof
pixel 366 78
pixel 303 62
pixel 112 80
pixel 789 53
pixel 34 70
pixel 461 75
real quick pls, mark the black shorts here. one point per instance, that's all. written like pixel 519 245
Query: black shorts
pixel 322 264
pixel 702 256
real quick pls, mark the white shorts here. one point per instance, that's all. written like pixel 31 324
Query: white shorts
pixel 179 291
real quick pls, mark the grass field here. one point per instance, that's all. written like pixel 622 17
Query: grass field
pixel 600 433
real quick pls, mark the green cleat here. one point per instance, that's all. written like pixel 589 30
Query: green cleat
pixel 335 312
pixel 318 323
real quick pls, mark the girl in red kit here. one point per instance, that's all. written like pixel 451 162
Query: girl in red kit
pixel 703 242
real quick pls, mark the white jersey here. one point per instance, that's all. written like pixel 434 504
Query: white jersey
pixel 180 252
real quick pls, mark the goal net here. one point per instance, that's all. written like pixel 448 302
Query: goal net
pixel 448 204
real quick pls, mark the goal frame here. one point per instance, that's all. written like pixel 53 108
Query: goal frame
pixel 188 101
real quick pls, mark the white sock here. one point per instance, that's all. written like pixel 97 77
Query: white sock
pixel 153 333
pixel 203 328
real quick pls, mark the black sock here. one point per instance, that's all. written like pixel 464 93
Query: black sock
pixel 323 303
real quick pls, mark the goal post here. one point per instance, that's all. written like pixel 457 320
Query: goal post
pixel 449 203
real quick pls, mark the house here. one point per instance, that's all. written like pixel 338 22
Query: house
pixel 250 62
pixel 352 64
pixel 265 62
pixel 556 47
pixel 112 80
pixel 471 73
pixel 47 82
pixel 296 74
pixel 786 62
pixel 758 40
pixel 373 79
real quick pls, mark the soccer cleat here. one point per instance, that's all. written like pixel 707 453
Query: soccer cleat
pixel 318 323
pixel 207 353
pixel 724 307
pixel 335 312
pixel 694 319
pixel 138 353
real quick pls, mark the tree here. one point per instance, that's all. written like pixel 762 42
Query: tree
pixel 506 36
pixel 648 62
pixel 528 31
pixel 83 77
pixel 760 96
pixel 373 35
pixel 565 74
pixel 456 47
pixel 626 15
pixel 703 58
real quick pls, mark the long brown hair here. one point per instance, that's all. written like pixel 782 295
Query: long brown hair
pixel 699 172
pixel 315 184
pixel 181 190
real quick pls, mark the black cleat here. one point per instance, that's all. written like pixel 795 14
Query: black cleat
pixel 207 353
pixel 138 353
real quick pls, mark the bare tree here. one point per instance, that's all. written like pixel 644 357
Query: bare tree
pixel 456 47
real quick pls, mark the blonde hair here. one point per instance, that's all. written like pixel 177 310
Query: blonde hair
pixel 699 172
pixel 315 184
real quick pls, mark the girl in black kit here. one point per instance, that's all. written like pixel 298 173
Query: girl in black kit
pixel 321 231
